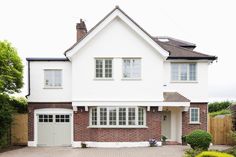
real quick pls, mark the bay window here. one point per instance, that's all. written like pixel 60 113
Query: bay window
pixel 117 116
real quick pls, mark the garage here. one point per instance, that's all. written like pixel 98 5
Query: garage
pixel 54 128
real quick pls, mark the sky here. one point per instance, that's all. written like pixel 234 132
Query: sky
pixel 46 28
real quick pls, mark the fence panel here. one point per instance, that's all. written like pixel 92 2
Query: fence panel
pixel 220 127
pixel 19 129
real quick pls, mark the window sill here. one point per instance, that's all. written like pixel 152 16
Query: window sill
pixel 194 123
pixel 131 79
pixel 183 81
pixel 117 127
pixel 103 79
pixel 52 88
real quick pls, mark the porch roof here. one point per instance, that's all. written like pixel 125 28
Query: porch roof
pixel 174 97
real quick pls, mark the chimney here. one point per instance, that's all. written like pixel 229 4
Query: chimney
pixel 81 30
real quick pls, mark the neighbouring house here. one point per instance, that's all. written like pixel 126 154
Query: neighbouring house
pixel 117 86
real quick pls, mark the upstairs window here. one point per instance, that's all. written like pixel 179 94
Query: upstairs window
pixel 183 72
pixel 103 68
pixel 53 78
pixel 132 68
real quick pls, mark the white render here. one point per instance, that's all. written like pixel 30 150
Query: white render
pixel 38 93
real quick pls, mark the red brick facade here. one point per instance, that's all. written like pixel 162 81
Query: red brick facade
pixel 34 106
pixel 153 120
pixel 187 127
pixel 83 133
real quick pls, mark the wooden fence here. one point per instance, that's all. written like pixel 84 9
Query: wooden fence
pixel 19 129
pixel 220 127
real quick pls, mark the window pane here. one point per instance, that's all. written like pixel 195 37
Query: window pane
pixel 122 116
pixel 126 68
pixel 58 78
pixel 136 69
pixel 140 116
pixel 112 116
pixel 99 66
pixel 184 72
pixel 53 78
pixel 48 78
pixel 131 117
pixel 192 72
pixel 174 72
pixel 94 116
pixel 194 115
pixel 103 116
pixel 108 68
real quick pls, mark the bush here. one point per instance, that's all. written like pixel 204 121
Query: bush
pixel 213 154
pixel 192 152
pixel 222 112
pixel 199 139
pixel 218 106
pixel 19 104
pixel 6 112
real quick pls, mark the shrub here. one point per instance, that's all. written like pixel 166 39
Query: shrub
pixel 222 112
pixel 218 106
pixel 6 111
pixel 20 104
pixel 192 152
pixel 199 139
pixel 213 154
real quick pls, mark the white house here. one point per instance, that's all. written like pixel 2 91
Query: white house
pixel 117 86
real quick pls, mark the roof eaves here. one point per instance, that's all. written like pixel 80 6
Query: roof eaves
pixel 47 59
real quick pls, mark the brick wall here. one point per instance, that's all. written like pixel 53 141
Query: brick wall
pixel 34 106
pixel 82 133
pixel 186 127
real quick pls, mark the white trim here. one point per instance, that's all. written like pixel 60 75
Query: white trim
pixel 188 72
pixel 103 68
pixel 114 144
pixel 190 112
pixel 127 103
pixel 32 144
pixel 117 14
pixel 52 111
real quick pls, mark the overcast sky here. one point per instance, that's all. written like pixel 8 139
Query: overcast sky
pixel 46 28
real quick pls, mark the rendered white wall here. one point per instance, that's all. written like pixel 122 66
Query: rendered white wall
pixel 197 91
pixel 40 94
pixel 117 40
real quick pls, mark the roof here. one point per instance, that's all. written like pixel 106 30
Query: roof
pixel 47 59
pixel 177 49
pixel 174 97
pixel 176 52
pixel 175 42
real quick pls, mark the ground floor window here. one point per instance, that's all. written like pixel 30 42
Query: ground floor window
pixel 117 116
pixel 194 115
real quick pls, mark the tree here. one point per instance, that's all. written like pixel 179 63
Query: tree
pixel 11 69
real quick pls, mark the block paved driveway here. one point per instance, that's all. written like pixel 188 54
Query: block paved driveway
pixel 165 151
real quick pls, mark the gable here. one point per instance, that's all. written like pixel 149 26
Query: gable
pixel 117 13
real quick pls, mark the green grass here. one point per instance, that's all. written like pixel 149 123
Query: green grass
pixel 222 112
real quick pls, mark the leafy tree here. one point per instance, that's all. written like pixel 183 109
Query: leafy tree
pixel 11 69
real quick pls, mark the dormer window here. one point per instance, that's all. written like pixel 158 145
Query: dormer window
pixel 183 72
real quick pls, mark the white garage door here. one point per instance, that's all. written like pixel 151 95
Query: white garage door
pixel 54 129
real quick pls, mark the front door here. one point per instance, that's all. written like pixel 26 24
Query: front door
pixel 166 124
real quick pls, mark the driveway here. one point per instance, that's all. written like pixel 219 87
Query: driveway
pixel 165 151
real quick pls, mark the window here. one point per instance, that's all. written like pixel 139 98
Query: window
pixel 183 72
pixel 52 78
pixel 103 116
pixel 45 118
pixel 117 116
pixel 194 115
pixel 62 118
pixel 103 68
pixel 132 68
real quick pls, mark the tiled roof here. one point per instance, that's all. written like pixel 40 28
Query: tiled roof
pixel 174 97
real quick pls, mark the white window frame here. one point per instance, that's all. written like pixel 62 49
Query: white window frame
pixel 53 87
pixel 179 71
pixel 117 118
pixel 103 69
pixel 131 78
pixel 190 115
